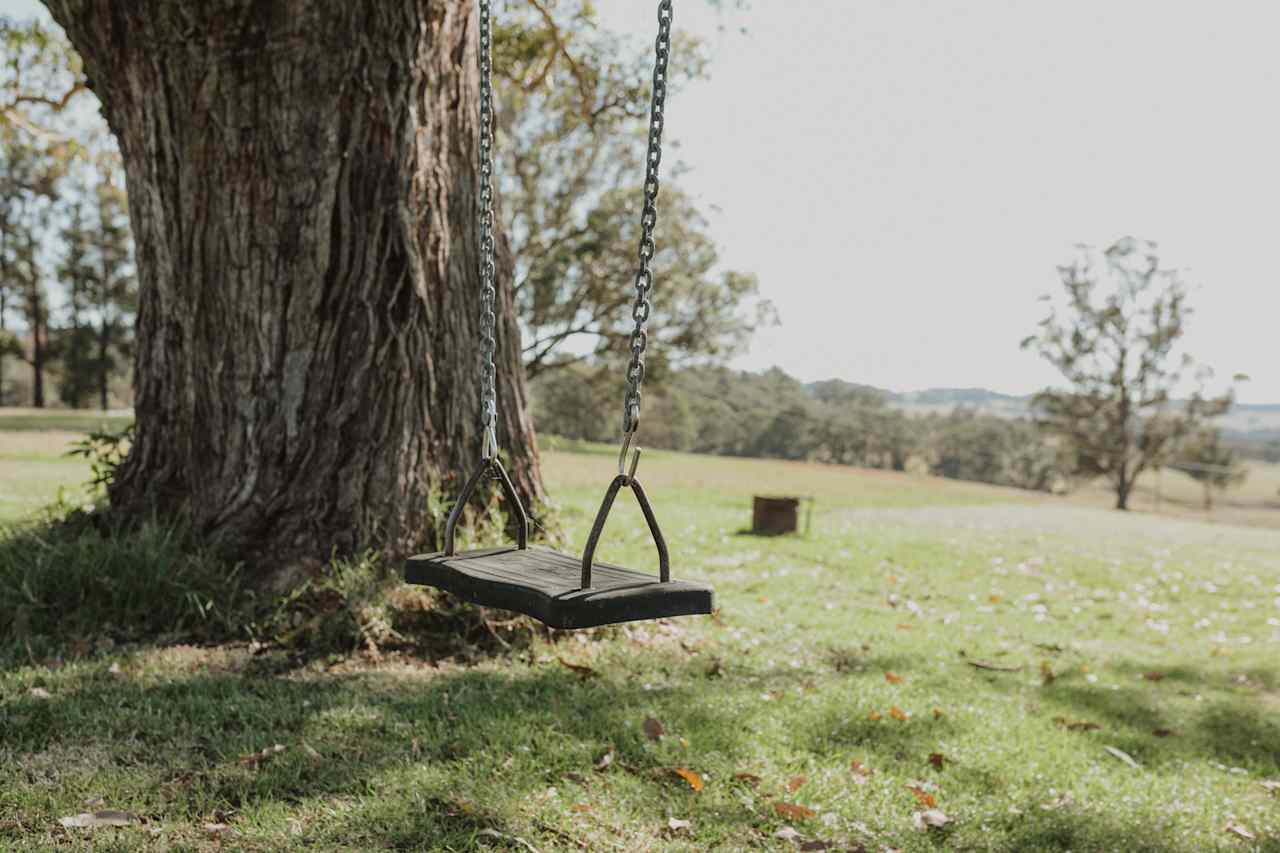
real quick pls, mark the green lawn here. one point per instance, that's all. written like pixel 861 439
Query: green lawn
pixel 1007 655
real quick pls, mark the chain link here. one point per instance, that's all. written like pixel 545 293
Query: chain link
pixel 648 221
pixel 488 291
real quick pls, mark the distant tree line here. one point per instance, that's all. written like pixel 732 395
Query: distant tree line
pixel 772 415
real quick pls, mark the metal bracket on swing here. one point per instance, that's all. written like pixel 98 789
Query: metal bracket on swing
pixel 488 464
pixel 626 478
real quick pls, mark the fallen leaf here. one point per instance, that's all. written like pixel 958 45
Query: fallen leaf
pixel 653 729
pixel 114 669
pixel 750 778
pixel 253 759
pixel 310 751
pixel 1123 756
pixel 893 678
pixel 938 713
pixel 861 772
pixel 899 714
pixel 91 820
pixel 583 672
pixel 605 761
pixel 217 829
pixel 581 808
pixel 795 783
pixel 1076 725
pixel 1239 831
pixel 694 780
pixel 792 810
pixel 39 693
pixel 874 716
pixel 995 599
pixel 1153 676
pixel 929 819
pixel 816 845
pixel 994 667
pixel 787 833
pixel 1271 785
pixel 926 799
pixel 905 626
pixel 937 759
pixel 676 825
pixel 1164 733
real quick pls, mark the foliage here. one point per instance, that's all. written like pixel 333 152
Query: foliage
pixel 772 415
pixel 1115 339
pixel 573 126
pixel 1206 458
pixel 105 449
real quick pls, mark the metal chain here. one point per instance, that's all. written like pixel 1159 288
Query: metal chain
pixel 648 220
pixel 488 291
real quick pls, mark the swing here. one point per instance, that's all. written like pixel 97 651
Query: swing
pixel 562 590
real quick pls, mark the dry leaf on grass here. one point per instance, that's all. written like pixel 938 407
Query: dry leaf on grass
pixel 924 797
pixel 253 759
pixel 1059 802
pixel 1164 732
pixel 1153 676
pixel 1272 785
pixel 929 819
pixel 218 829
pixel 676 825
pixel 92 820
pixel 1123 756
pixel 893 678
pixel 39 693
pixel 583 672
pixel 750 778
pixel 694 780
pixel 816 845
pixel 581 808
pixel 937 759
pixel 653 729
pixel 899 714
pixel 787 833
pixel 792 810
pixel 795 782
pixel 874 716
pixel 861 772
pixel 1239 831
pixel 605 761
pixel 1076 725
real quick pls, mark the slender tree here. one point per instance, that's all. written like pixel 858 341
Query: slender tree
pixel 301 179
pixel 1207 459
pixel 1115 337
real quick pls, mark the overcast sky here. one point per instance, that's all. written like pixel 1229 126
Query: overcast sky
pixel 904 175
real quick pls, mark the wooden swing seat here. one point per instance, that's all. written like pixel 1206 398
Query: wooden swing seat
pixel 546 585
pixel 562 591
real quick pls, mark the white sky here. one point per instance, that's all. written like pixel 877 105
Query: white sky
pixel 904 175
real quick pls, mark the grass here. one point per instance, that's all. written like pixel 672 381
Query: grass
pixel 1157 637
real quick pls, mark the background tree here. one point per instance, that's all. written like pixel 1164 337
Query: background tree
pixel 1206 458
pixel 1115 337
pixel 76 342
pixel 574 110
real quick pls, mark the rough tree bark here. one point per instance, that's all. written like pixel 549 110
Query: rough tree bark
pixel 301 185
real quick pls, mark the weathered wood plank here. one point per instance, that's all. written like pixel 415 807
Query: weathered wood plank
pixel 544 584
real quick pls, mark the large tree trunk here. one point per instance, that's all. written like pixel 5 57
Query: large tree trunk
pixel 301 185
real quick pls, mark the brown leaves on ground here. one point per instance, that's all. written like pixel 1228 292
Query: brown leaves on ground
pixel 93 820
pixel 861 772
pixel 922 796
pixel 793 811
pixel 605 761
pixel 795 783
pixel 1076 725
pixel 1153 676
pixel 1123 756
pixel 874 716
pixel 750 778
pixel 253 759
pixel 893 677
pixel 583 672
pixel 653 729
pixel 1164 732
pixel 1239 831
pixel 677 825
pixel 899 714
pixel 694 780
pixel 937 759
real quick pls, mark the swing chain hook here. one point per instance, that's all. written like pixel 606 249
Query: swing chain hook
pixel 622 458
